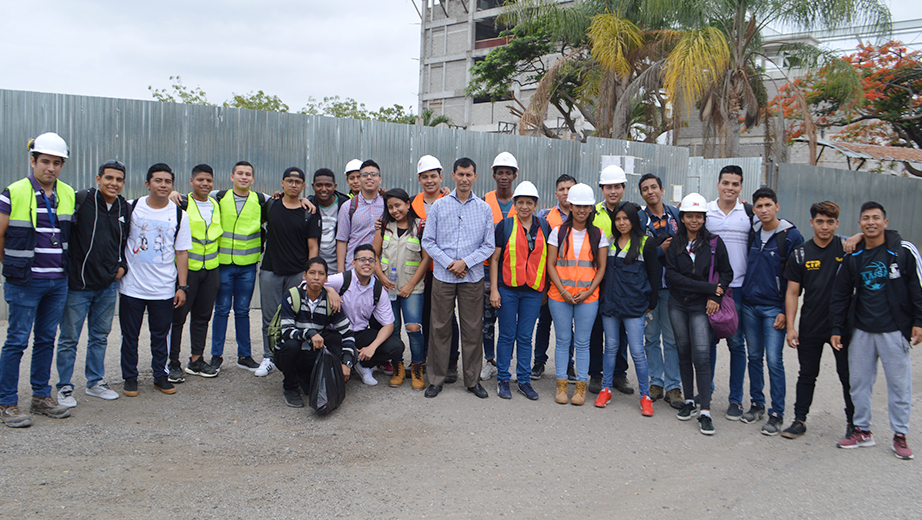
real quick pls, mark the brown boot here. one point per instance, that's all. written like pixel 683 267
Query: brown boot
pixel 400 373
pixel 48 406
pixel 416 372
pixel 562 397
pixel 656 392
pixel 579 397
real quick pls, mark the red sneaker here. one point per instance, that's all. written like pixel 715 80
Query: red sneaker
pixel 900 449
pixel 387 368
pixel 603 398
pixel 858 439
pixel 646 406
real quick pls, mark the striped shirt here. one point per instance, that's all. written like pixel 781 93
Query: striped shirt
pixel 312 319
pixel 733 228
pixel 360 228
pixel 458 230
pixel 49 258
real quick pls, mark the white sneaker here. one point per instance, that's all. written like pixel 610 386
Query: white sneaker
pixel 266 367
pixel 66 396
pixel 102 391
pixel 489 370
pixel 367 377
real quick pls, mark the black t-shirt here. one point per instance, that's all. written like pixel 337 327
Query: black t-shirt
pixel 286 238
pixel 814 268
pixel 872 312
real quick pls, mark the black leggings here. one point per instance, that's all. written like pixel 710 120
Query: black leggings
pixel 693 341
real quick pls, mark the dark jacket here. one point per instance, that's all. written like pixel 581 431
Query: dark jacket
pixel 631 289
pixel 905 298
pixel 688 281
pixel 765 283
pixel 97 241
pixel 669 230
pixel 340 199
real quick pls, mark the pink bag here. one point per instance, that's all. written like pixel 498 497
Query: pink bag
pixel 725 321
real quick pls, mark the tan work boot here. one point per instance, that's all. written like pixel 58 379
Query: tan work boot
pixel 400 373
pixel 13 417
pixel 579 397
pixel 416 372
pixel 50 407
pixel 656 392
pixel 562 397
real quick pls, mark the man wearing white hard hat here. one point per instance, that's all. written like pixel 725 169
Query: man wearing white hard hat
pixel 505 171
pixel 353 178
pixel 521 255
pixel 612 182
pixel 429 175
pixel 35 219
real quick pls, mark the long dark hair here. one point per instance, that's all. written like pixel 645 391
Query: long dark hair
pixel 703 234
pixel 595 236
pixel 636 234
pixel 386 218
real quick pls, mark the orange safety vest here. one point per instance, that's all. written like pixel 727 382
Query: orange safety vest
pixel 521 267
pixel 554 219
pixel 490 198
pixel 576 274
pixel 419 206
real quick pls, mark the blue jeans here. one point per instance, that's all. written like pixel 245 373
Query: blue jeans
pixel 634 329
pixel 517 315
pixel 737 346
pixel 766 341
pixel 662 361
pixel 412 309
pixel 98 307
pixel 237 284
pixel 39 305
pixel 564 315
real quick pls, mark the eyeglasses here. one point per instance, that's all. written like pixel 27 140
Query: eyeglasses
pixel 369 174
pixel 364 260
pixel 293 182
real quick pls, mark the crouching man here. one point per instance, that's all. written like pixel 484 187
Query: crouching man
pixel 305 331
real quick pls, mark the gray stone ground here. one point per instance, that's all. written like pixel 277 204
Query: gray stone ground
pixel 229 448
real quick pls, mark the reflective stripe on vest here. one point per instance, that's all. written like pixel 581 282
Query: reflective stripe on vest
pixel 20 236
pixel 490 198
pixel 521 267
pixel 622 253
pixel 204 253
pixel 576 274
pixel 240 241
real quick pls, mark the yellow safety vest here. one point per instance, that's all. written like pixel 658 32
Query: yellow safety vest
pixel 241 241
pixel 204 253
pixel 19 248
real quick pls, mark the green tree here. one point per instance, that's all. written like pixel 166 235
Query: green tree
pixel 429 118
pixel 333 106
pixel 179 94
pixel 257 101
pixel 394 114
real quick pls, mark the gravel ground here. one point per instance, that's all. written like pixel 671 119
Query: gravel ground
pixel 229 448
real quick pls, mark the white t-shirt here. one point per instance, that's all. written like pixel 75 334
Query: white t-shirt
pixel 328 218
pixel 206 210
pixel 151 252
pixel 578 237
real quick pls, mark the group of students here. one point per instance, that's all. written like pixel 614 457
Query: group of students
pixel 347 271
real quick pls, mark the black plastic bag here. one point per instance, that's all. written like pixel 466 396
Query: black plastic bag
pixel 328 387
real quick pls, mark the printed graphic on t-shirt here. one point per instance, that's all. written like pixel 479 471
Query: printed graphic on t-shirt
pixel 874 276
pixel 152 237
pixel 813 265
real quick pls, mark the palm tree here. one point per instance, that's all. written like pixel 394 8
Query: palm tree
pixel 429 118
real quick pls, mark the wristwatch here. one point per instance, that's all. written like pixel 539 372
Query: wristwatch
pixel 183 287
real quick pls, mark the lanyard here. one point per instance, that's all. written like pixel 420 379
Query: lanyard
pixel 51 214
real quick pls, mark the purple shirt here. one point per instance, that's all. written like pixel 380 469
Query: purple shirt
pixel 360 229
pixel 49 259
pixel 359 301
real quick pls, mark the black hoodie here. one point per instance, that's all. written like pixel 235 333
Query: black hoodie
pixel 97 241
pixel 904 291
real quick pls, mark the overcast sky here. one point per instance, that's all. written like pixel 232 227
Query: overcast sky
pixel 364 49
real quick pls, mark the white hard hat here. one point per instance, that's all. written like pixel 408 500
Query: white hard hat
pixel 49 143
pixel 581 195
pixel 353 166
pixel 612 174
pixel 506 159
pixel 427 163
pixel 525 189
pixel 694 203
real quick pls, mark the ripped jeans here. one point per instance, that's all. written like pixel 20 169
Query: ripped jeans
pixel 411 308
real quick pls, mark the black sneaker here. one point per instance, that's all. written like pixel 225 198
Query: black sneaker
pixel 773 426
pixel 734 412
pixel 623 386
pixel 705 424
pixel 529 392
pixel 293 398
pixel 452 375
pixel 175 374
pixel 756 411
pixel 216 362
pixel 688 411
pixel 571 373
pixel 130 387
pixel 163 384
pixel 795 430
pixel 200 368
pixel 538 371
pixel 595 385
pixel 247 363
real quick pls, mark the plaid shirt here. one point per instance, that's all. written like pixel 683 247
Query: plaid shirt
pixel 360 229
pixel 459 230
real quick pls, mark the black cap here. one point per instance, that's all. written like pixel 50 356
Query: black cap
pixel 293 171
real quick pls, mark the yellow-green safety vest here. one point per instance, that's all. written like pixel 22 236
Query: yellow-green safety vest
pixel 241 241
pixel 204 253
pixel 19 247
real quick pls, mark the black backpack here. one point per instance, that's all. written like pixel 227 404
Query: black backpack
pixel 347 281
